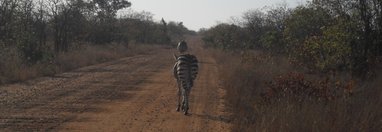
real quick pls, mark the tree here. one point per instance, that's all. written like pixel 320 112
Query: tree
pixel 226 37
pixel 303 23
pixel 8 10
pixel 105 21
pixel 254 22
pixel 272 38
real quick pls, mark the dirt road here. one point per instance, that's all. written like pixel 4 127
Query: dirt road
pixel 131 94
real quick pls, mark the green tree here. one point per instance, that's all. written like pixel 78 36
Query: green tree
pixel 106 19
pixel 254 22
pixel 226 37
pixel 332 49
pixel 272 39
pixel 303 23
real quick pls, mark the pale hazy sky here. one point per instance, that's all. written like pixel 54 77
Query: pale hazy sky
pixel 196 14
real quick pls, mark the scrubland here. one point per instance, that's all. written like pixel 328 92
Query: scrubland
pixel 14 68
pixel 269 93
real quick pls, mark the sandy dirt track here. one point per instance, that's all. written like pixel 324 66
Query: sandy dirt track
pixel 130 94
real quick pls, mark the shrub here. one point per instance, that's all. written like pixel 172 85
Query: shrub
pixel 295 86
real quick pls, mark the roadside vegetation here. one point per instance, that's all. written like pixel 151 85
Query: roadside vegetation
pixel 315 67
pixel 44 37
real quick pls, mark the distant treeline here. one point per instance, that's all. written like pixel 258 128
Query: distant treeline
pixel 323 34
pixel 37 29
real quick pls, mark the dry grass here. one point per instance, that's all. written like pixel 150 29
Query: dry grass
pixel 247 77
pixel 13 68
